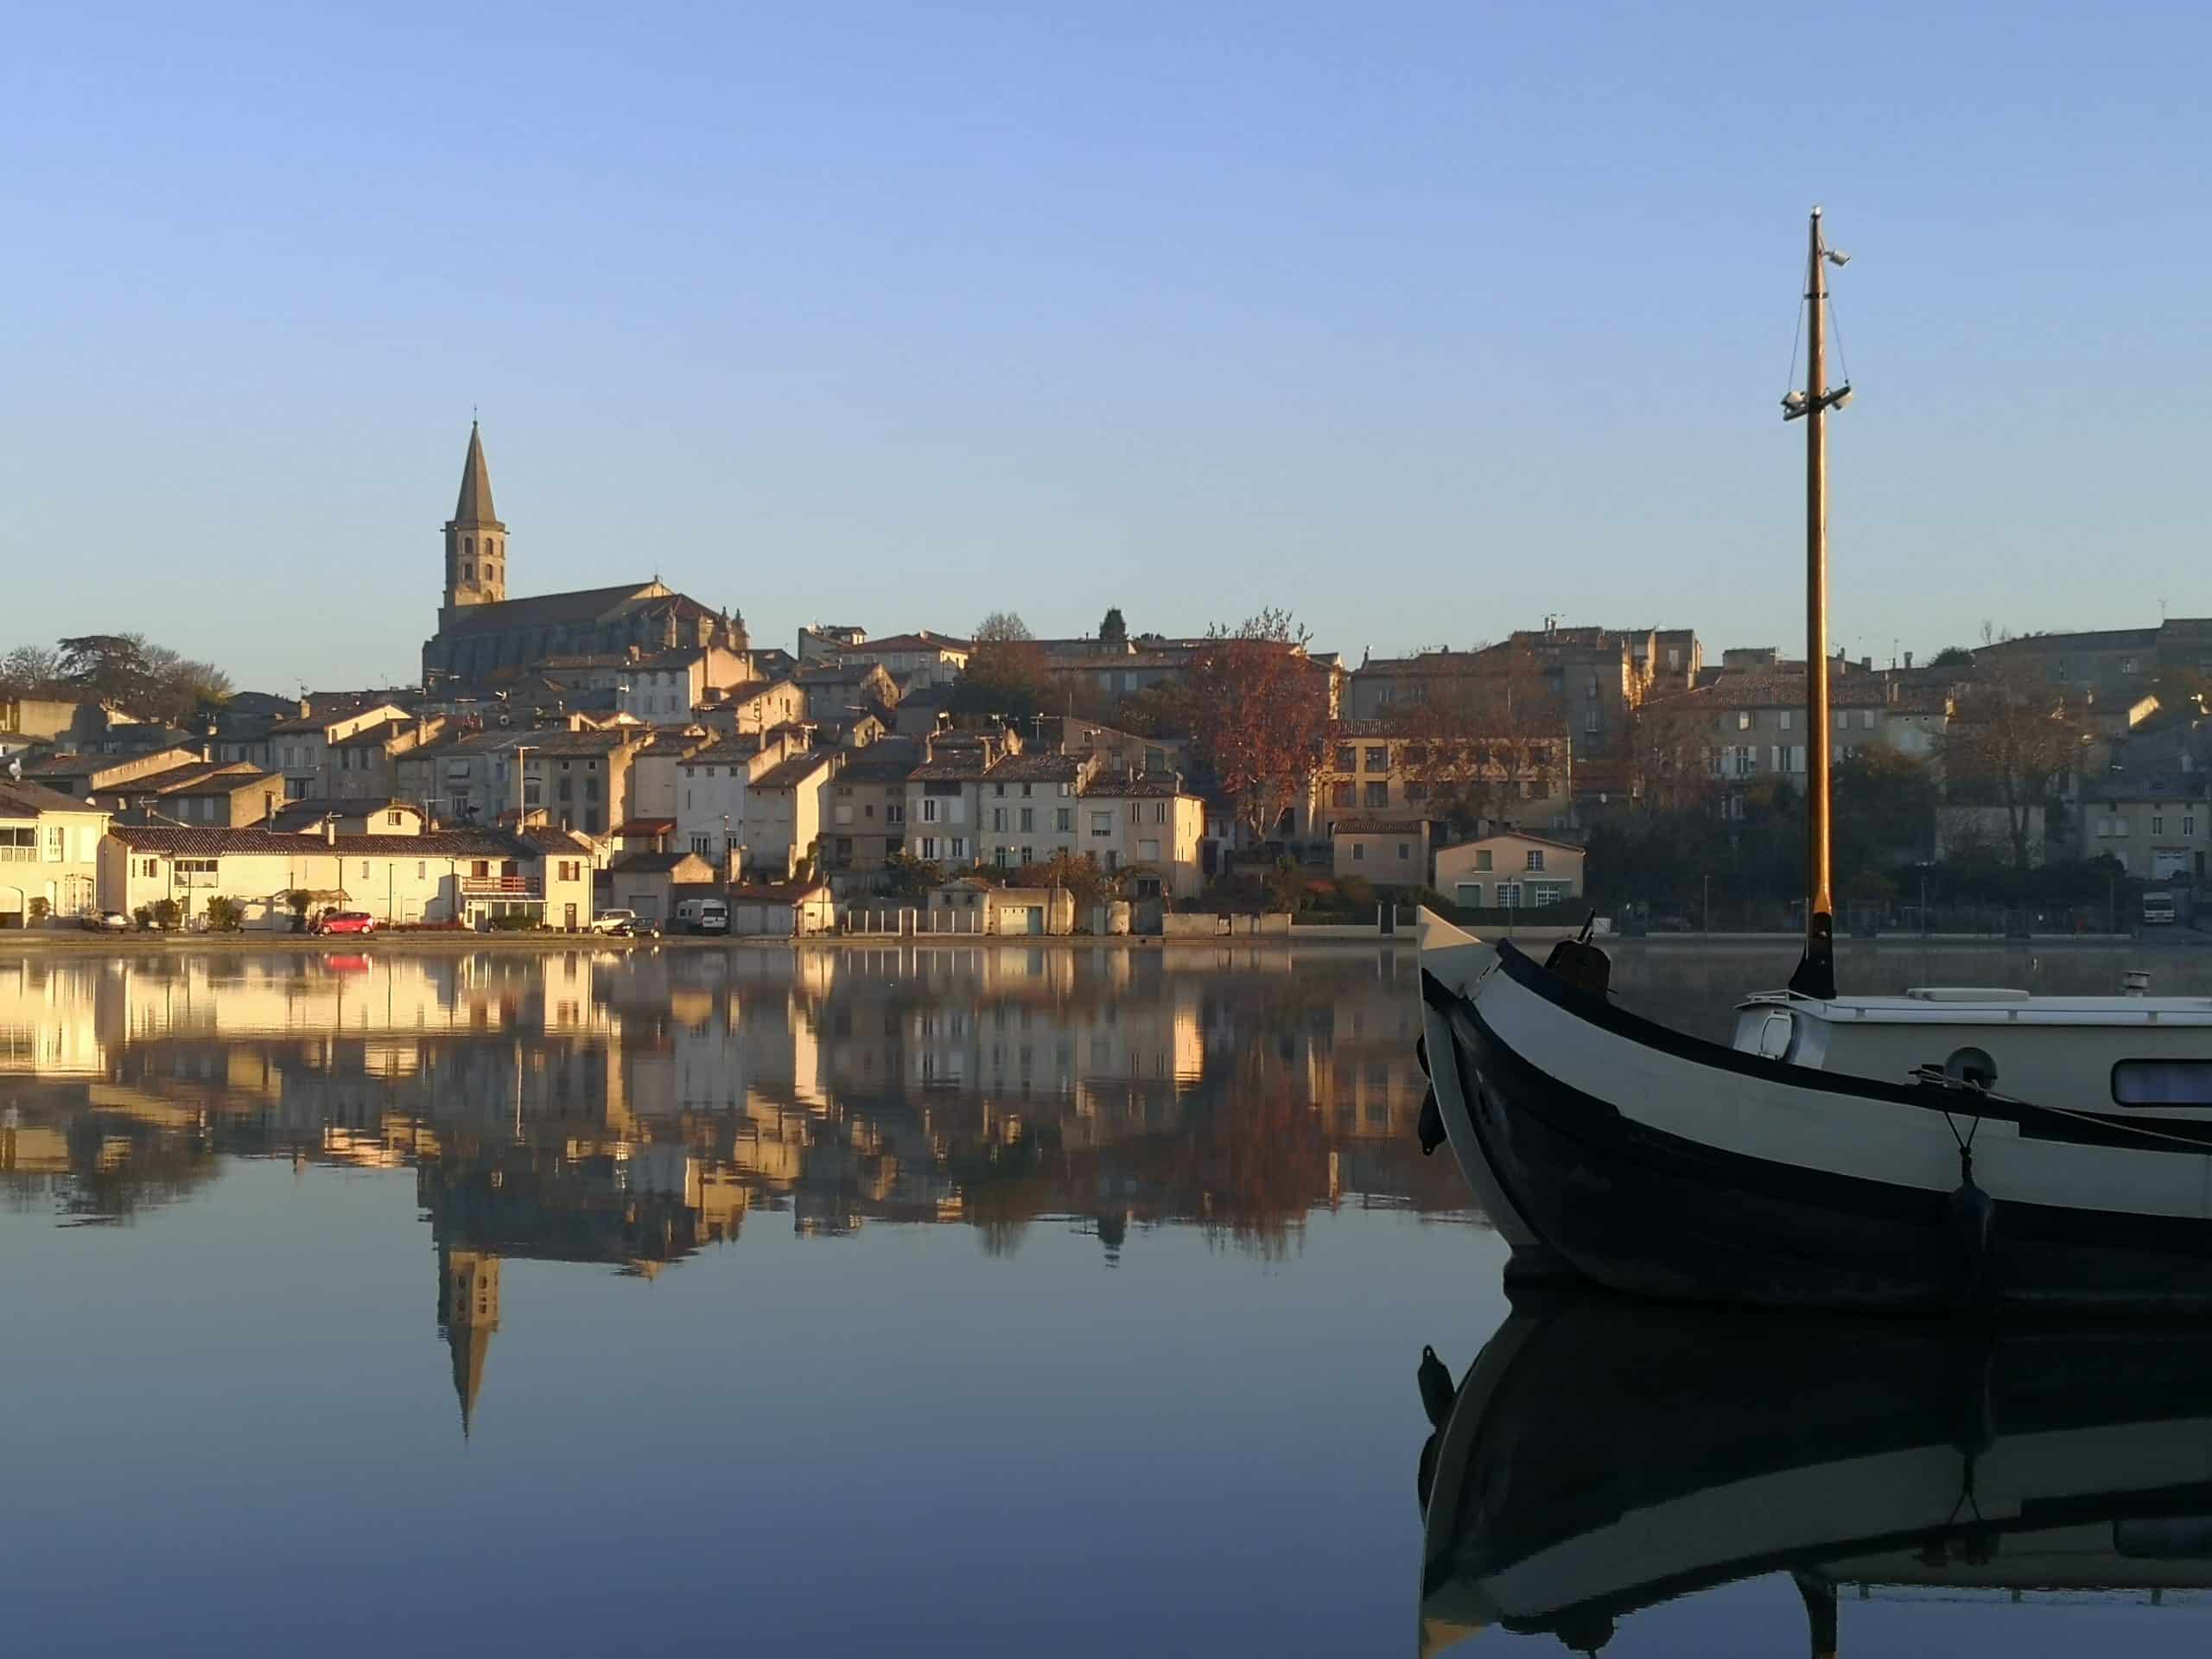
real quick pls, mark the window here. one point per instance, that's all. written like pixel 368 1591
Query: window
pixel 1101 824
pixel 1405 850
pixel 1481 859
pixel 1063 820
pixel 1865 720
pixel 1782 719
pixel 1590 718
pixel 929 849
pixel 1468 895
pixel 929 809
pixel 1347 761
pixel 1535 859
pixel 422 870
pixel 959 847
pixel 1378 794
pixel 1509 895
pixel 365 869
pixel 894 812
pixel 1378 757
pixel 703 845
pixel 1416 791
pixel 2163 1082
pixel 2188 823
pixel 1547 893
pixel 1028 818
pixel 998 815
pixel 1843 720
pixel 56 852
pixel 1743 720
pixel 1358 852
pixel 1344 794
pixel 2158 824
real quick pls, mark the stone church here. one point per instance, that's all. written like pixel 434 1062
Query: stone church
pixel 484 637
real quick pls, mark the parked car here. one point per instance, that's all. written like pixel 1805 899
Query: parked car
pixel 613 921
pixel 105 921
pixel 346 921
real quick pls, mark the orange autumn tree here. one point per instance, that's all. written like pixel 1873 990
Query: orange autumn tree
pixel 1258 710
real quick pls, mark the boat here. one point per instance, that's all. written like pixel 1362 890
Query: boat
pixel 1600 1457
pixel 1955 1145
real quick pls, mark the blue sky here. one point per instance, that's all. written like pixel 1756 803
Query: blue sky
pixel 1424 320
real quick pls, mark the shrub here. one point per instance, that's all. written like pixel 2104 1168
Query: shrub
pixel 225 915
pixel 167 913
pixel 297 901
pixel 514 924
pixel 144 916
pixel 40 911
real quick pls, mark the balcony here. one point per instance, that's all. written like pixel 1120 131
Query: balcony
pixel 501 886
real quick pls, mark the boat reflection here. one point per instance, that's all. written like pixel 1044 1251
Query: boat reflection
pixel 1598 1458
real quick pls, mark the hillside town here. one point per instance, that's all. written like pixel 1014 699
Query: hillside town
pixel 626 748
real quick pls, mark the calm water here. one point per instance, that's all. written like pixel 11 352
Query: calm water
pixel 951 1299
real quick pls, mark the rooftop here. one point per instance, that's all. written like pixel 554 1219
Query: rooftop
pixel 199 842
pixel 28 800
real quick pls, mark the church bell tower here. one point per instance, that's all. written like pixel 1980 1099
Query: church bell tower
pixel 476 542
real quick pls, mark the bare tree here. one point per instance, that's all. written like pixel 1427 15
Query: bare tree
pixel 1259 714
pixel 2012 739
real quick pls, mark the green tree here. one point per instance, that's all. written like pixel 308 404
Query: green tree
pixel 168 913
pixel 1951 656
pixel 1113 630
pixel 909 878
pixel 225 915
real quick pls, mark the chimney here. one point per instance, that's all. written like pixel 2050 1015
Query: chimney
pixel 1908 660
pixel 330 828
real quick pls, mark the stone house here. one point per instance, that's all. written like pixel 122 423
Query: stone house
pixel 864 809
pixel 1390 854
pixel 49 854
pixel 1513 870
pixel 1395 770
pixel 469 877
pixel 650 883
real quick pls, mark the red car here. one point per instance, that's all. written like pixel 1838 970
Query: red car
pixel 346 921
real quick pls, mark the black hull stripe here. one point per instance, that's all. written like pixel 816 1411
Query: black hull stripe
pixel 1656 1213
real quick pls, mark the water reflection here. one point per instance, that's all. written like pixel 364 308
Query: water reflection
pixel 1600 1458
pixel 627 1109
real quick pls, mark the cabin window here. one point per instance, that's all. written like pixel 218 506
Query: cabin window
pixel 2163 1082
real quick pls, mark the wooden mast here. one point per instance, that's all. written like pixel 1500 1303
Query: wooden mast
pixel 1816 975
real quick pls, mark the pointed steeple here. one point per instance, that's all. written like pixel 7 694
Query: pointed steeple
pixel 469 1343
pixel 476 542
pixel 468 1313
pixel 474 506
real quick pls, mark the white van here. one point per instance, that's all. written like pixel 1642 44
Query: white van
pixel 701 916
pixel 2158 910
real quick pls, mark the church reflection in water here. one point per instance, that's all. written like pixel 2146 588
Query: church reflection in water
pixel 628 1108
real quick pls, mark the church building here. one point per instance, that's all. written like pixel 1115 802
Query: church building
pixel 484 637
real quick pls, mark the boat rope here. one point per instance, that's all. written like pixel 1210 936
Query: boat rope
pixel 1796 337
pixel 1935 1076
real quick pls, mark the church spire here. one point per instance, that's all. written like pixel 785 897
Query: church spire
pixel 468 1313
pixel 476 542
pixel 474 506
